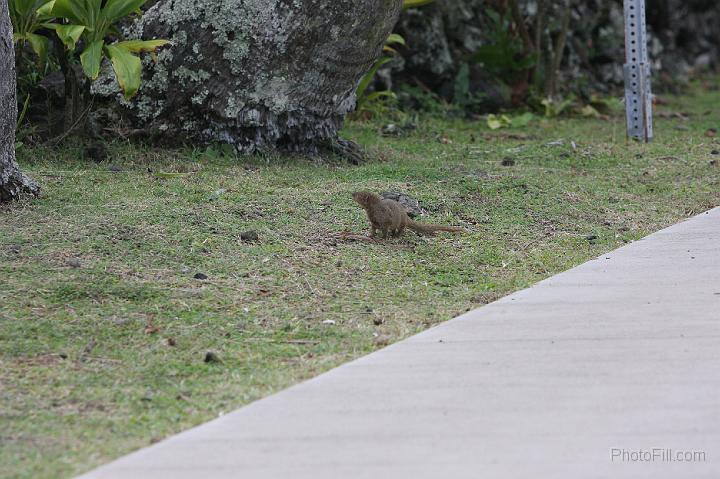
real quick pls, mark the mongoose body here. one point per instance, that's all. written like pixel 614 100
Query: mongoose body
pixel 390 218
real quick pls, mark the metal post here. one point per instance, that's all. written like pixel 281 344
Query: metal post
pixel 638 94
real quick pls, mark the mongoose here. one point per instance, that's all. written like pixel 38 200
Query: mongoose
pixel 390 217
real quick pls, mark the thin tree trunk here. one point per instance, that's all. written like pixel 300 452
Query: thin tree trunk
pixel 555 60
pixel 13 182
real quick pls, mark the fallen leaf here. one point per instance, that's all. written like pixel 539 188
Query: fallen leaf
pixel 73 262
pixel 151 329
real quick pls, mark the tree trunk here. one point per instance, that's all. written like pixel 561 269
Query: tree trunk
pixel 258 74
pixel 12 182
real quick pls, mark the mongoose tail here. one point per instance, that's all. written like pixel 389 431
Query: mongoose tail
pixel 431 229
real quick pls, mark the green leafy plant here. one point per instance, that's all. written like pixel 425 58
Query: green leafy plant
pixel 364 99
pixel 92 21
pixel 463 97
pixel 554 108
pixel 28 17
pixel 506 54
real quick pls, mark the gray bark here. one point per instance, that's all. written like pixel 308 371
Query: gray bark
pixel 13 182
pixel 257 74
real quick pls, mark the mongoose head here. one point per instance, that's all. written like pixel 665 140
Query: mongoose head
pixel 365 198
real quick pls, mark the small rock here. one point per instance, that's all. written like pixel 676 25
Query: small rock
pixel 249 236
pixel 412 206
pixel 330 322
pixel 115 169
pixel 96 152
pixel 682 128
pixel 391 129
pixel 217 194
pixel 711 132
pixel 200 276
pixel 73 262
pixel 377 321
pixel 211 357
pixel 507 161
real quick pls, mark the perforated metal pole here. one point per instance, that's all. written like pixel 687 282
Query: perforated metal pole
pixel 638 94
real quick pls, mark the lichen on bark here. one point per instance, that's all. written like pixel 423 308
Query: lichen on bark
pixel 258 74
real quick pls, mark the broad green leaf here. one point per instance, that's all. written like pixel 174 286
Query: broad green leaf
pixel 590 111
pixel 495 122
pixel 45 11
pixel 394 38
pixel 116 9
pixel 365 81
pixel 128 69
pixel 68 34
pixel 79 11
pixel 25 15
pixel 21 8
pixel 416 3
pixel 523 120
pixel 90 59
pixel 376 95
pixel 23 112
pixel 94 7
pixel 139 46
pixel 39 44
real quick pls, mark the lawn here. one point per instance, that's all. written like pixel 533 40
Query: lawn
pixel 120 280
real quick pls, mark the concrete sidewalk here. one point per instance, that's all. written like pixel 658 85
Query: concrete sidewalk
pixel 621 353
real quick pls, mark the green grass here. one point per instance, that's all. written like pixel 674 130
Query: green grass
pixel 101 359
